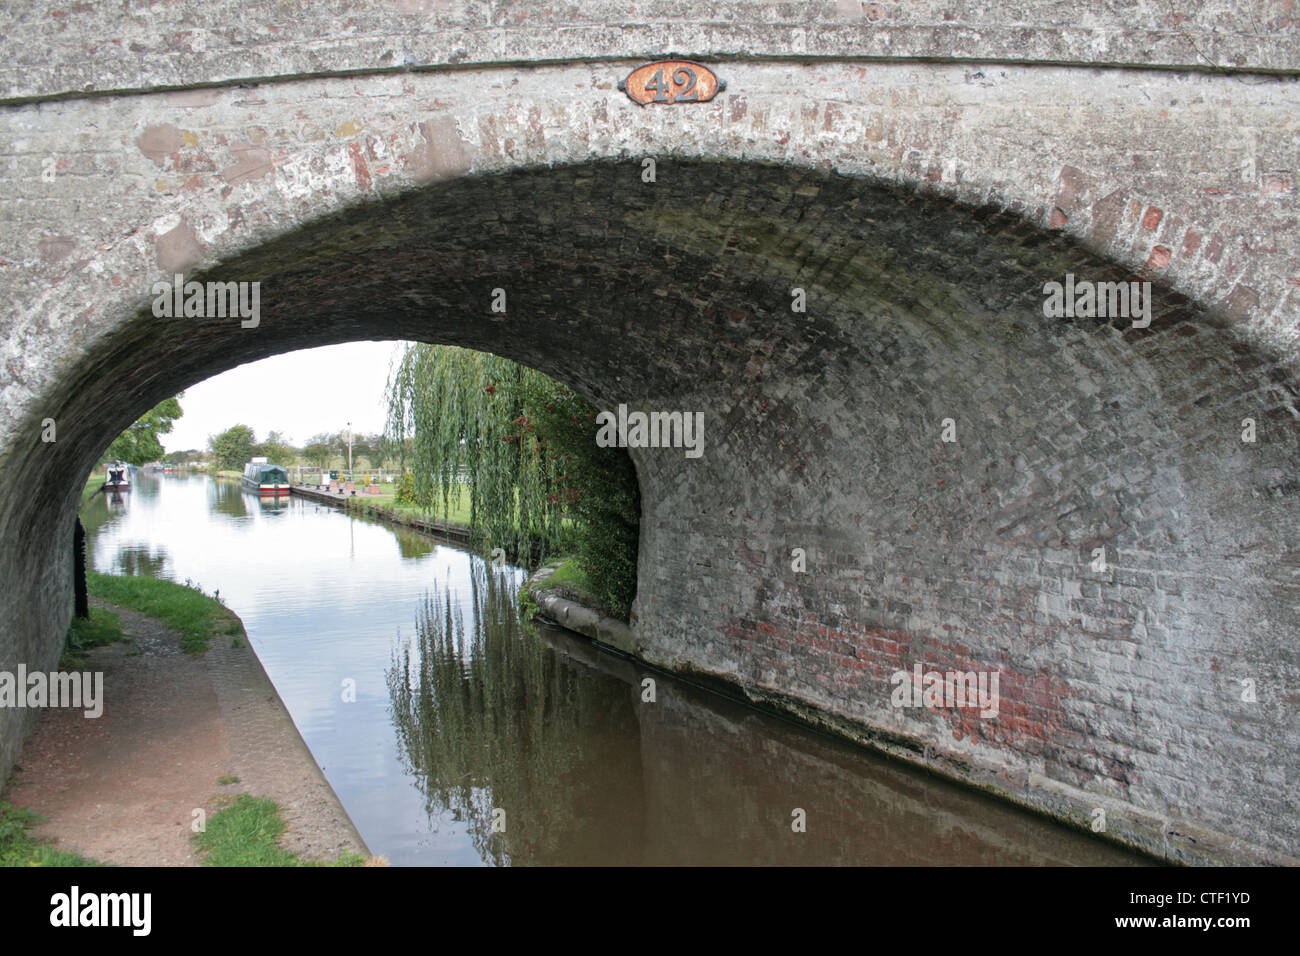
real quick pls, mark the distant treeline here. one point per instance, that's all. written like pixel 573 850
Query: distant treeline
pixel 231 449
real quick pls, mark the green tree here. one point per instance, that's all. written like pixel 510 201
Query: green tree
pixel 596 487
pixel 232 449
pixel 277 448
pixel 319 450
pixel 139 443
pixel 362 448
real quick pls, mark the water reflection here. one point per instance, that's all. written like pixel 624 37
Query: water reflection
pixel 489 720
pixel 147 560
pixel 229 498
pixel 555 733
pixel 412 544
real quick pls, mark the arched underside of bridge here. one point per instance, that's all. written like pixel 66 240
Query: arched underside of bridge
pixel 823 431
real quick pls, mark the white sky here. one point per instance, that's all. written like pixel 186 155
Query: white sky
pixel 298 393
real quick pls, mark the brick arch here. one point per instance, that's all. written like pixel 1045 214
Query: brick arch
pixel 923 266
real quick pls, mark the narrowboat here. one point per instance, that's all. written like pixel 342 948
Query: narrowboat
pixel 117 476
pixel 263 478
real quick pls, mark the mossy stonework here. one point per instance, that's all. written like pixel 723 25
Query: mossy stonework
pixel 919 183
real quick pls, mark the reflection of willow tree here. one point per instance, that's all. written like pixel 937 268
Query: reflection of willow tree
pixel 488 716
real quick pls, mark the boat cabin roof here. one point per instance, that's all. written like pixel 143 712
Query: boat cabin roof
pixel 263 473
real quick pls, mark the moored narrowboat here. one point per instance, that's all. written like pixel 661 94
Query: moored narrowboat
pixel 265 479
pixel 117 476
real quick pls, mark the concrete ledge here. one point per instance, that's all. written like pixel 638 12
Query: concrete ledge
pixel 583 620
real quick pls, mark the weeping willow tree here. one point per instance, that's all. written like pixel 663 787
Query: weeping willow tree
pixel 522 448
pixel 464 414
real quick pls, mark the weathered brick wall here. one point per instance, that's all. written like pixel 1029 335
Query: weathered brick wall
pixel 921 206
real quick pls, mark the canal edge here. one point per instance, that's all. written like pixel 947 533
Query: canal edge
pixel 357 504
pixel 1159 838
pixel 242 685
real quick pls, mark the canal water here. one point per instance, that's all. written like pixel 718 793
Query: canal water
pixel 462 718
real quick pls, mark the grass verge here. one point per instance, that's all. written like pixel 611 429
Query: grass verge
pixel 18 847
pixel 570 575
pixel 458 513
pixel 247 833
pixel 102 627
pixel 197 617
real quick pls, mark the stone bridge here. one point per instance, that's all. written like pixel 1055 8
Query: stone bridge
pixel 922 467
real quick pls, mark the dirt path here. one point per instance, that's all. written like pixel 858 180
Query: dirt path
pixel 122 788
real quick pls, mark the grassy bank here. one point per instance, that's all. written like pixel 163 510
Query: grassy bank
pixel 198 617
pixel 309 478
pixel 311 475
pixel 247 833
pixel 102 627
pixel 569 576
pixel 458 514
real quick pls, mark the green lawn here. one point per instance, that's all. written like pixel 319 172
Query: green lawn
pixel 457 514
pixel 458 508
pixel 196 616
